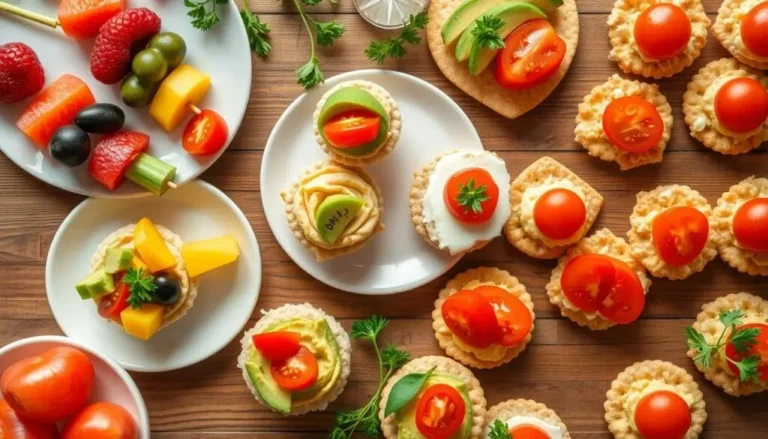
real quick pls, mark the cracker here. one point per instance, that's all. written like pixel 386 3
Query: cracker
pixel 727 30
pixel 589 122
pixel 508 103
pixel 534 176
pixel 523 407
pixel 602 242
pixel 640 234
pixel 471 279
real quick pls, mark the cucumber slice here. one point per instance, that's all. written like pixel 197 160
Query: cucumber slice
pixel 151 173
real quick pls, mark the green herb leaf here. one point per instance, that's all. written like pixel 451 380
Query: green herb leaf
pixel 140 285
pixel 257 33
pixel 748 368
pixel 310 74
pixel 471 197
pixel 731 318
pixel 744 338
pixel 203 12
pixel 394 358
pixel 697 342
pixel 368 328
pixel 499 430
pixel 405 389
pixel 378 51
pixel 487 33
pixel 329 32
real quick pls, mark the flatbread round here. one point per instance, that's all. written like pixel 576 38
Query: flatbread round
pixel 727 30
pixel 523 407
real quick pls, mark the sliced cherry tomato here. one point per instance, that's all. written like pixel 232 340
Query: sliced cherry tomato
pixel 679 234
pixel 440 412
pixel 760 348
pixel 13 427
pixel 352 129
pixel 526 431
pixel 101 420
pixel 662 415
pixel 559 213
pixel 750 225
pixel 662 31
pixel 626 299
pixel 112 305
pixel 754 30
pixel 205 134
pixel 633 124
pixel 587 279
pixel 278 345
pixel 471 317
pixel 741 105
pixel 471 195
pixel 296 373
pixel 512 316
pixel 532 54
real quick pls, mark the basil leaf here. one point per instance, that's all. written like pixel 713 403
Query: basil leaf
pixel 404 390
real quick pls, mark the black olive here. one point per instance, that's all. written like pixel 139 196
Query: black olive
pixel 167 290
pixel 70 145
pixel 100 118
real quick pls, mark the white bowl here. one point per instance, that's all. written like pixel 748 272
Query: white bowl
pixel 113 384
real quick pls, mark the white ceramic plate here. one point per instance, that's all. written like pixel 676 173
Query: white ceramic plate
pixel 222 53
pixel 226 298
pixel 398 259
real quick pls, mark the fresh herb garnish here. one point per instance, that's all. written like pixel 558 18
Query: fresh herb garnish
pixel 471 197
pixel 499 430
pixel 203 12
pixel 141 285
pixel 405 389
pixel 328 32
pixel 257 32
pixel 204 16
pixel 310 74
pixel 378 51
pixel 487 32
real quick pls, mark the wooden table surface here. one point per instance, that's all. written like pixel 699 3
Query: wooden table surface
pixel 565 367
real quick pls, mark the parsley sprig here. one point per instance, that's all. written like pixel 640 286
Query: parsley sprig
pixel 378 51
pixel 499 430
pixel 204 16
pixel 203 12
pixel 310 74
pixel 141 285
pixel 471 197
pixel 487 32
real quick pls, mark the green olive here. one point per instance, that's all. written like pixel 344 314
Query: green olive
pixel 135 94
pixel 171 45
pixel 150 66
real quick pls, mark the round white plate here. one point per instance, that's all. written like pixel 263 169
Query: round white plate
pixel 222 53
pixel 397 259
pixel 226 298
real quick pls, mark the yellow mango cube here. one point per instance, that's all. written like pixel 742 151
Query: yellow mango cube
pixel 152 247
pixel 142 322
pixel 138 263
pixel 204 256
pixel 185 85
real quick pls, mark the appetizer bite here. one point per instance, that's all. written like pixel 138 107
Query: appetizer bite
pixel 483 317
pixel 598 284
pixel 624 121
pixel 296 359
pixel 523 418
pixel 655 399
pixel 656 39
pixel 726 107
pixel 742 28
pixel 357 122
pixel 334 209
pixel 671 232
pixel 552 209
pixel 729 343
pixel 432 397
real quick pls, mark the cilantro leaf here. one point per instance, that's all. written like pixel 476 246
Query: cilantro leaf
pixel 743 339
pixel 368 328
pixel 471 197
pixel 697 342
pixel 203 12
pixel 499 430
pixel 310 74
pixel 140 285
pixel 257 32
pixel 748 368
pixel 395 358
pixel 378 51
pixel 731 318
pixel 486 32
pixel 328 32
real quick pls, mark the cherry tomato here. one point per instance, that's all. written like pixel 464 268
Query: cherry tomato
pixel 760 348
pixel 352 129
pixel 663 415
pixel 112 305
pixel 626 299
pixel 12 427
pixel 662 31
pixel 471 317
pixel 471 195
pixel 205 134
pixel 277 345
pixel 587 279
pixel 559 213
pixel 679 234
pixel 512 316
pixel 440 412
pixel 741 105
pixel 754 30
pixel 633 124
pixel 528 432
pixel 296 373
pixel 50 386
pixel 532 54
pixel 750 225
pixel 101 420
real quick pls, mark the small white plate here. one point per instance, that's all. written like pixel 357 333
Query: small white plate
pixel 222 53
pixel 398 259
pixel 226 298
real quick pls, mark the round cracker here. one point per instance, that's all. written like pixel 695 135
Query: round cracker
pixel 523 407
pixel 727 30
pixel 484 88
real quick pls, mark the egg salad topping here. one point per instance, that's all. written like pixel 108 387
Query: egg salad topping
pixel 532 195
pixel 626 30
pixel 641 388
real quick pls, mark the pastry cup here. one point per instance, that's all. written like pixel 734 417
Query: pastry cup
pixel 523 407
pixel 727 30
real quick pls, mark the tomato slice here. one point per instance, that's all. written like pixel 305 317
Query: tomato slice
pixel 527 431
pixel 626 299
pixel 440 412
pixel 750 225
pixel 512 316
pixel 662 31
pixel 205 134
pixel 532 54
pixel 587 279
pixel 760 348
pixel 679 234
pixel 754 30
pixel 112 305
pixel 296 373
pixel 633 124
pixel 352 129
pixel 559 213
pixel 662 415
pixel 471 195
pixel 471 317
pixel 278 345
pixel 741 105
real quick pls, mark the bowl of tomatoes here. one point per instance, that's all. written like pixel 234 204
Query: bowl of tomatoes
pixel 54 387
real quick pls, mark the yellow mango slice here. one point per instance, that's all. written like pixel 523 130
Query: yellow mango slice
pixel 142 322
pixel 152 247
pixel 204 256
pixel 138 263
pixel 185 85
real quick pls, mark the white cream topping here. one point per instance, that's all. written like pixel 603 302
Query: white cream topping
pixel 708 103
pixel 552 430
pixel 531 197
pixel 640 389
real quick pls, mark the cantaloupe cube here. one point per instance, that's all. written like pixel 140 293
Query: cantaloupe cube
pixel 152 247
pixel 185 85
pixel 204 256
pixel 142 322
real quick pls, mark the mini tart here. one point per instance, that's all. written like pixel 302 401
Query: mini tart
pixel 640 234
pixel 395 125
pixel 755 310
pixel 442 365
pixel 621 28
pixel 469 280
pixel 727 29
pixel 537 174
pixel 328 178
pixel 722 225
pixel 523 407
pixel 602 242
pixel 699 111
pixel 616 415
pixel 589 122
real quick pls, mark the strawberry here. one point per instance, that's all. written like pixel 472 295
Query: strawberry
pixel 21 74
pixel 113 156
pixel 111 55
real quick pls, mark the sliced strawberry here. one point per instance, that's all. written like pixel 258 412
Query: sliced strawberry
pixel 113 156
pixel 111 55
pixel 83 18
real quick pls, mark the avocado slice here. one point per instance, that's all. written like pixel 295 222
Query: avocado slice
pixel 334 215
pixel 406 416
pixel 257 368
pixel 95 285
pixel 117 259
pixel 354 98
pixel 547 6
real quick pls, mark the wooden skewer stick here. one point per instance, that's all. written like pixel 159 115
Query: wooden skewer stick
pixel 172 185
pixel 29 15
pixel 193 108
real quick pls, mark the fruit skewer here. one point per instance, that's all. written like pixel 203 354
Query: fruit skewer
pixel 29 15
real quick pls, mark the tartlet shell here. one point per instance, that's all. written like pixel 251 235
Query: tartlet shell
pixel 727 30
pixel 523 407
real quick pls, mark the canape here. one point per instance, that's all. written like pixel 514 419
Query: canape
pixel 742 28
pixel 524 418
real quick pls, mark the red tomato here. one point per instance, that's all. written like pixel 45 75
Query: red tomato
pixel 278 345
pixel 440 412
pixel 12 427
pixel 112 305
pixel 559 213
pixel 679 234
pixel 101 420
pixel 50 386
pixel 532 54
pixel 662 31
pixel 626 299
pixel 741 105
pixel 528 432
pixel 512 316
pixel 83 18
pixel 754 30
pixel 471 317
pixel 205 134
pixel 296 373
pixel 633 124
pixel 760 348
pixel 471 195
pixel 663 415
pixel 352 129
pixel 587 279
pixel 750 225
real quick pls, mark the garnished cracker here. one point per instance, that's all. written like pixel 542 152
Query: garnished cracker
pixel 727 29
pixel 504 411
